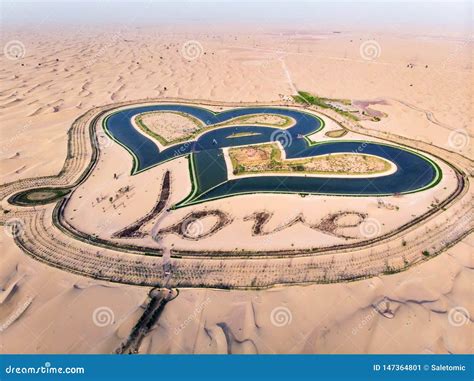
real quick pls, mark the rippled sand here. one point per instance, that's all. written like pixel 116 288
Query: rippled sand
pixel 426 83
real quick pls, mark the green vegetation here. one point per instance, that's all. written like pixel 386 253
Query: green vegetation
pixel 336 133
pixel 308 98
pixel 389 270
pixel 242 134
pixel 267 158
pixel 165 142
pixel 39 196
pixel 146 130
pixel 283 122
pixel 426 253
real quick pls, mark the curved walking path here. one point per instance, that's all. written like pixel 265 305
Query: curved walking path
pixel 43 234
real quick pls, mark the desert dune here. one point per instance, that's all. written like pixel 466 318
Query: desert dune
pixel 420 84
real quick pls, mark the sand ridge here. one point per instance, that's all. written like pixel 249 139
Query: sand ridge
pixel 66 73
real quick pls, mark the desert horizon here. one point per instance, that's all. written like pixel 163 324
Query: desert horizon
pixel 267 183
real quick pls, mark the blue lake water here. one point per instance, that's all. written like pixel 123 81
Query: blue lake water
pixel 414 171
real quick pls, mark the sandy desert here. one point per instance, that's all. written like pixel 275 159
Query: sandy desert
pixel 418 84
